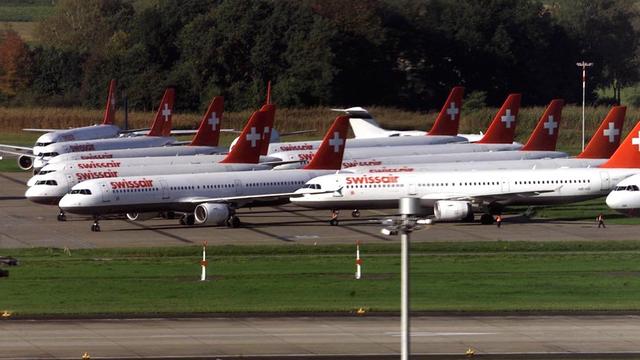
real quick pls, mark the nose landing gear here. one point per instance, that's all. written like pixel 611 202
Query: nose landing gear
pixel 95 227
pixel 62 216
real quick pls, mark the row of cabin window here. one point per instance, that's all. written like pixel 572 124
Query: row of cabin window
pixel 120 191
pixel 221 186
pixel 374 186
pixel 530 182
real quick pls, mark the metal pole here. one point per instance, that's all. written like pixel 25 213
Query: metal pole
pixel 584 86
pixel 404 273
pixel 584 66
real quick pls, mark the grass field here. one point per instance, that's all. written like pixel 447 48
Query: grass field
pixel 462 277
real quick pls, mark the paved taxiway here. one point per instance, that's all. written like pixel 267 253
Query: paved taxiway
pixel 309 337
pixel 25 224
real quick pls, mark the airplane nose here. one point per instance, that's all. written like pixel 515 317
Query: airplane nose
pixel 615 201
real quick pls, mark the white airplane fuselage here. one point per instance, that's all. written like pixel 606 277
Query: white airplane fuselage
pixel 139 152
pixel 506 187
pixel 400 151
pixel 179 192
pixel 625 197
pixel 77 134
pixel 56 149
pixel 368 143
pixel 51 187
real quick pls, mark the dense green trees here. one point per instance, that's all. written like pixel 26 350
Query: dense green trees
pixel 404 53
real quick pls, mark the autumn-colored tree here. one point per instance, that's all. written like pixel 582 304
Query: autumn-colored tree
pixel 13 58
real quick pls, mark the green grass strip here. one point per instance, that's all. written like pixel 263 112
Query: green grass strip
pixel 498 276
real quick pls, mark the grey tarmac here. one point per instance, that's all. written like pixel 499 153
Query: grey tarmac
pixel 24 224
pixel 323 337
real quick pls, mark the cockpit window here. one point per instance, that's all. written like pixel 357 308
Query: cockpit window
pixel 50 154
pixel 47 182
pixel 81 191
pixel 627 188
pixel 43 172
pixel 43 143
pixel 311 186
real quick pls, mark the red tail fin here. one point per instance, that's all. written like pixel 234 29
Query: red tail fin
pixel 628 154
pixel 329 154
pixel 545 136
pixel 268 125
pixel 161 125
pixel 503 127
pixel 448 121
pixel 209 131
pixel 110 111
pixel 268 99
pixel 247 148
pixel 607 138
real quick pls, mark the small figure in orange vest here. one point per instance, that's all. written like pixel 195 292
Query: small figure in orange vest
pixel 600 220
pixel 498 220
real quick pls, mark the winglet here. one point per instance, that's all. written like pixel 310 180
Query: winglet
pixel 161 125
pixel 270 118
pixel 628 154
pixel 545 135
pixel 247 148
pixel 209 131
pixel 110 110
pixel 606 139
pixel 503 127
pixel 329 154
pixel 448 121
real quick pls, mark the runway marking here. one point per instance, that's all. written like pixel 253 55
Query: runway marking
pixel 429 334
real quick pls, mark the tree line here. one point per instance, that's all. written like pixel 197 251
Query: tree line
pixel 402 53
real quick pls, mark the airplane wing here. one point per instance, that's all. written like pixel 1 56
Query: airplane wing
pixel 42 130
pixel 248 198
pixel 488 197
pixel 17 150
pixel 298 132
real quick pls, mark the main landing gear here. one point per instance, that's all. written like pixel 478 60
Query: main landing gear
pixel 95 227
pixel 334 217
pixel 62 216
pixel 233 221
pixel 187 219
pixel 355 213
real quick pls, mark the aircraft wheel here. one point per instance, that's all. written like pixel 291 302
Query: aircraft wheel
pixel 355 213
pixel 486 219
pixel 333 222
pixel 233 222
pixel 181 221
pixel 190 219
pixel 95 227
pixel 62 217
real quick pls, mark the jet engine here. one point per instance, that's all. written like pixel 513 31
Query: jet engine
pixel 25 162
pixel 211 214
pixel 448 210
pixel 141 216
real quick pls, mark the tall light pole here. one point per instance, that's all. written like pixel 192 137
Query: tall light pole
pixel 584 66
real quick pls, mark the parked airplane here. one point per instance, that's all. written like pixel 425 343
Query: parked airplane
pixel 365 126
pixel 455 195
pixel 157 136
pixel 52 136
pixel 51 187
pixel 444 131
pixel 210 198
pixel 601 146
pixel 499 137
pixel 625 197
pixel 447 122
pixel 205 141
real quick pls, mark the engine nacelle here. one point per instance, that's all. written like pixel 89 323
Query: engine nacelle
pixel 449 210
pixel 211 214
pixel 25 162
pixel 141 216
